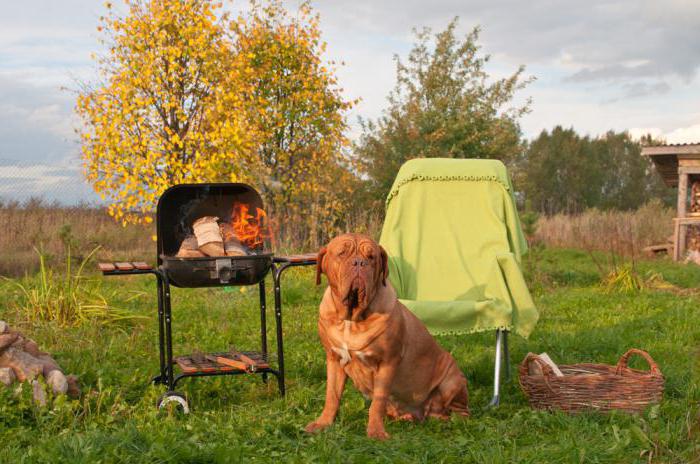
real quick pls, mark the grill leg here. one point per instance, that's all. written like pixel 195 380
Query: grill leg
pixel 278 321
pixel 161 337
pixel 168 334
pixel 497 370
pixel 263 325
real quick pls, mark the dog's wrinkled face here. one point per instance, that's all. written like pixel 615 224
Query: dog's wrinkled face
pixel 356 267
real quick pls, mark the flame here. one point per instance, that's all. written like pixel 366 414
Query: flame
pixel 249 229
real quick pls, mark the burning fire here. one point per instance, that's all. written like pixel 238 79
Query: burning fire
pixel 249 229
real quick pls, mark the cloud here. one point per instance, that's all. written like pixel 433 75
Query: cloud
pixel 597 34
pixel 36 122
pixel 690 134
pixel 22 181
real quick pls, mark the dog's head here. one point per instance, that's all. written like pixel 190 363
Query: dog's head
pixel 356 267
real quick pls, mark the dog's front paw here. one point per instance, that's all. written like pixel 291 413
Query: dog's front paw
pixel 377 433
pixel 316 426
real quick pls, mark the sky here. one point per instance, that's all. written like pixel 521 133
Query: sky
pixel 599 65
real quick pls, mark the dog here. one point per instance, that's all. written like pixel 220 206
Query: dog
pixel 369 336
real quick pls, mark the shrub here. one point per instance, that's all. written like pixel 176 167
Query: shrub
pixel 68 299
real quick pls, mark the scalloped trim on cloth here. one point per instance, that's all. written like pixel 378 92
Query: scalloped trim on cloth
pixel 508 328
pixel 421 177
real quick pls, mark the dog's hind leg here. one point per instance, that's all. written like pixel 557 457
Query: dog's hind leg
pixel 451 396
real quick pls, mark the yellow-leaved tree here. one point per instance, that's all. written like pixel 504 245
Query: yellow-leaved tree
pixel 297 105
pixel 161 114
pixel 190 95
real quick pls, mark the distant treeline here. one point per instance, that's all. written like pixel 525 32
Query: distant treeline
pixel 564 172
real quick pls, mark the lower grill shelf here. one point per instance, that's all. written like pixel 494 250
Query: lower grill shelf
pixel 239 361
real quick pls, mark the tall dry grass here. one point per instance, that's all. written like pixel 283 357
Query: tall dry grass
pixel 623 233
pixel 54 228
pixel 292 237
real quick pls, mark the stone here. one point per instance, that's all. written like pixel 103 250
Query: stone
pixel 8 339
pixel 7 376
pixel 58 382
pixel 38 393
pixel 32 348
pixel 26 366
pixel 49 364
pixel 4 327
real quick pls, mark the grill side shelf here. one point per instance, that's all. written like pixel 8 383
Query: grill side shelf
pixel 305 258
pixel 124 268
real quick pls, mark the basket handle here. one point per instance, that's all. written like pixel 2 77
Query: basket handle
pixel 622 363
pixel 547 371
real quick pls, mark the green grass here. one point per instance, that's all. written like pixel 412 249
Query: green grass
pixel 238 419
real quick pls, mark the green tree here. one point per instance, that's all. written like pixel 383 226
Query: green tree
pixel 444 104
pixel 558 172
pixel 562 171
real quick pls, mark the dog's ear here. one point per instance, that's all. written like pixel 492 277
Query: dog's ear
pixel 385 265
pixel 319 264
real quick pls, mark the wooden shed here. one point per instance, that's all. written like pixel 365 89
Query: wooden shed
pixel 679 166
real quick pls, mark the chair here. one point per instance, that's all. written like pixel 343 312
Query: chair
pixel 454 242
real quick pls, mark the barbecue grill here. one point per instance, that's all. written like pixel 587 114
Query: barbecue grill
pixel 177 209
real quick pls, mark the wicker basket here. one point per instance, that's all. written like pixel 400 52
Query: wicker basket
pixel 593 386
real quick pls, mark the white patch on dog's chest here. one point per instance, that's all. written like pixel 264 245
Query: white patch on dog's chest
pixel 344 352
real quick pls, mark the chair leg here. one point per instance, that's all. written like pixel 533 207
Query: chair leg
pixel 506 355
pixel 497 370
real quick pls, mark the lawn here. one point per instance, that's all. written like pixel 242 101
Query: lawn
pixel 241 419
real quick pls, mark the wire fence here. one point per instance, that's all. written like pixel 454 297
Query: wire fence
pixel 59 183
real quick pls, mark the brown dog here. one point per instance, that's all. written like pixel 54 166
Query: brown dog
pixel 372 338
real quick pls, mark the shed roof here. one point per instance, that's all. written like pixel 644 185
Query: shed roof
pixel 665 158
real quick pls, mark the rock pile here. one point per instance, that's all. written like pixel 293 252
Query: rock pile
pixel 21 360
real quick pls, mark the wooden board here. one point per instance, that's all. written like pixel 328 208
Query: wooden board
pixel 106 267
pixel 124 266
pixel 228 360
pixel 189 365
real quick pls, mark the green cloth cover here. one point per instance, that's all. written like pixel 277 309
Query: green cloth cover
pixel 454 242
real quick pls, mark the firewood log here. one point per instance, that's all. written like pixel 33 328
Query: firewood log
pixel 189 248
pixel 213 249
pixel 227 231
pixel 535 369
pixel 190 254
pixel 234 248
pixel 26 366
pixel 209 240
